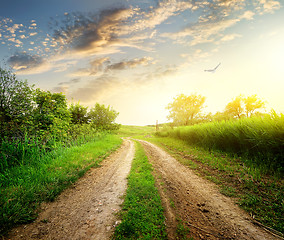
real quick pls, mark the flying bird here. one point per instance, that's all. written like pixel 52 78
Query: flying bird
pixel 212 70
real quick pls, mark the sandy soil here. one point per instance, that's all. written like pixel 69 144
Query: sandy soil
pixel 86 211
pixel 198 203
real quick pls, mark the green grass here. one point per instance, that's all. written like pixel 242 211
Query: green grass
pixel 259 140
pixel 135 131
pixel 142 214
pixel 24 187
pixel 260 195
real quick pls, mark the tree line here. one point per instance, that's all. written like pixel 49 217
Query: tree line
pixel 187 110
pixel 26 112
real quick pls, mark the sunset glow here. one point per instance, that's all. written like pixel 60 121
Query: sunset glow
pixel 136 56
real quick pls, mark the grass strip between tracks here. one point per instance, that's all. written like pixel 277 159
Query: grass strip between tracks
pixel 142 213
pixel 24 187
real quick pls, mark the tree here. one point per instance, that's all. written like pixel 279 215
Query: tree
pixel 234 108
pixel 251 104
pixel 16 103
pixel 103 118
pixel 184 108
pixel 51 113
pixel 79 114
pixel 243 106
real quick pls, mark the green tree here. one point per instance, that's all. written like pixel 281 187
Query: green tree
pixel 79 114
pixel 234 108
pixel 16 104
pixel 103 118
pixel 252 103
pixel 51 114
pixel 184 109
pixel 243 106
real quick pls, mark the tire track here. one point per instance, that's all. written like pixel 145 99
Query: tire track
pixel 87 210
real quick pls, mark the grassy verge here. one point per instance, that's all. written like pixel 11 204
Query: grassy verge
pixel 142 214
pixel 24 187
pixel 260 195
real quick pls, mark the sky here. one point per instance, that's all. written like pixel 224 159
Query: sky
pixel 137 56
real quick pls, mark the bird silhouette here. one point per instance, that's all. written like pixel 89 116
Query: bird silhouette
pixel 212 70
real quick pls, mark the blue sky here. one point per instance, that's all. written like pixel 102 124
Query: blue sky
pixel 138 55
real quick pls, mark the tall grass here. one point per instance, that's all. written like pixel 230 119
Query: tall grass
pixel 259 139
pixel 24 186
pixel 29 149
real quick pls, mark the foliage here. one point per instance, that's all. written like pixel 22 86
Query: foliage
pixel 78 113
pixel 33 121
pixel 243 106
pixel 16 103
pixel 103 118
pixel 51 114
pixel 234 108
pixel 142 216
pixel 261 139
pixel 185 108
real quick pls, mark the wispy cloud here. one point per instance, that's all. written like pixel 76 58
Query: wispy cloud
pixel 129 64
pixel 96 88
pixel 218 16
pixel 25 63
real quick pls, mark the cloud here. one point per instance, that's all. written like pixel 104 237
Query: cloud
pixel 230 37
pixel 33 34
pixel 217 17
pixel 61 89
pixel 203 32
pixel 247 15
pixel 129 64
pixel 72 81
pixel 97 88
pixel 25 63
pixel 103 65
pixel 268 6
pixel 155 16
pixel 91 34
pixel 97 64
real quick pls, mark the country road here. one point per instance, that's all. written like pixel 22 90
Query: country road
pixel 198 203
pixel 87 210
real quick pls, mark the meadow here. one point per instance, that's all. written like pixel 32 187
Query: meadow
pixel 258 140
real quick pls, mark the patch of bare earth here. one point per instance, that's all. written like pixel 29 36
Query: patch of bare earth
pixel 197 203
pixel 86 211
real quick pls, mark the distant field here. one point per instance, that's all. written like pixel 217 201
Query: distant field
pixel 135 131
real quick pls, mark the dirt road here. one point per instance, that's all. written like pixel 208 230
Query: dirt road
pixel 198 203
pixel 87 210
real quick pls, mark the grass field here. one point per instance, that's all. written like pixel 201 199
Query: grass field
pixel 135 131
pixel 259 140
pixel 142 214
pixel 24 187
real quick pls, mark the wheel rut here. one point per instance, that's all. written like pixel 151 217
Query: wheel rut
pixel 197 203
